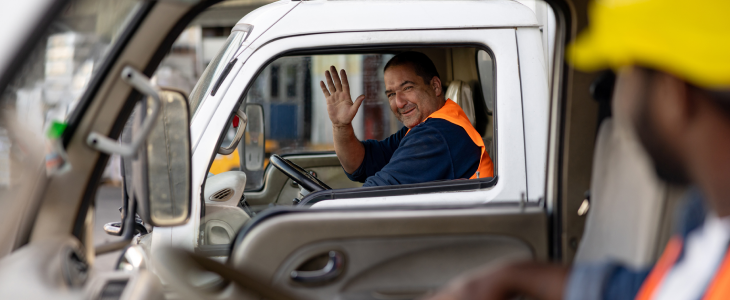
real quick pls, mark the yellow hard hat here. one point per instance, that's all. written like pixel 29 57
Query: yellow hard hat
pixel 690 39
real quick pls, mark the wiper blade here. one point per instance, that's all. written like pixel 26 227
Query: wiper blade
pixel 223 75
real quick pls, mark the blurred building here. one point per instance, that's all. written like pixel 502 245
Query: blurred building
pixel 200 42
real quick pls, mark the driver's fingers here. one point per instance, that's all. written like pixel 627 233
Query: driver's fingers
pixel 336 78
pixel 330 84
pixel 324 90
pixel 345 83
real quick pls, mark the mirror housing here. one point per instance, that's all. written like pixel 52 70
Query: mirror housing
pixel 243 121
pixel 254 140
pixel 162 169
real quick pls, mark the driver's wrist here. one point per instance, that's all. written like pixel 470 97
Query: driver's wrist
pixel 341 126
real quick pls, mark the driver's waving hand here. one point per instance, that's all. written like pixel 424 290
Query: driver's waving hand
pixel 437 141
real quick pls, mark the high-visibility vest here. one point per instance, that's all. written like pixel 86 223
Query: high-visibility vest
pixel 719 287
pixel 453 113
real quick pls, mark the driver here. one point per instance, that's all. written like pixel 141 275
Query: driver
pixel 437 142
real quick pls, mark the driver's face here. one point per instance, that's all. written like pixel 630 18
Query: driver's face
pixel 411 99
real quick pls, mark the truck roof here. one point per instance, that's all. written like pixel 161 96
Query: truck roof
pixel 289 18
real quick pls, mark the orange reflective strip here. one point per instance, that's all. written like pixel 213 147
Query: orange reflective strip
pixel 453 113
pixel 719 288
pixel 662 267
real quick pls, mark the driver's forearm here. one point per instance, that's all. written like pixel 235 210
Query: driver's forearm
pixel 349 149
pixel 537 280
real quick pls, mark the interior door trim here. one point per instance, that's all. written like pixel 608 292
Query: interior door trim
pixel 488 209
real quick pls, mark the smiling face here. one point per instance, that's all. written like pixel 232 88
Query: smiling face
pixel 411 99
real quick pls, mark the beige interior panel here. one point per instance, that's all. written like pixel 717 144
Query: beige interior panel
pixel 439 56
pixel 400 267
pixel 417 249
pixel 278 188
pixel 453 63
pixel 140 285
pixel 221 222
pixel 463 64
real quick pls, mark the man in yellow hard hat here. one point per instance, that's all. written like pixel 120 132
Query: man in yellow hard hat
pixel 672 58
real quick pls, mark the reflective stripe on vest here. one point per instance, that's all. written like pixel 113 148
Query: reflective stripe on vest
pixel 453 113
pixel 719 287
pixel 662 267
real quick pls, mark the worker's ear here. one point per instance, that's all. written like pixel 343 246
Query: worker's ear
pixel 436 86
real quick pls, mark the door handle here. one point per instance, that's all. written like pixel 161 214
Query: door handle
pixel 334 267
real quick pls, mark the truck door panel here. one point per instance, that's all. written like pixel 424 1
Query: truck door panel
pixel 398 253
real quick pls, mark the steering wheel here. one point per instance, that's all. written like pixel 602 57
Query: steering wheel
pixel 298 174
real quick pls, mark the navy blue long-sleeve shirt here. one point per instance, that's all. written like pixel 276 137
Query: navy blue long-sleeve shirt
pixel 434 150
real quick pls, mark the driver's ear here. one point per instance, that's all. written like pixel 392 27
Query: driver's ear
pixel 436 86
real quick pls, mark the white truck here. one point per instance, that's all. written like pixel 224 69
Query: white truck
pixel 491 56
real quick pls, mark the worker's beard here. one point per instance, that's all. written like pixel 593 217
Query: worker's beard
pixel 667 164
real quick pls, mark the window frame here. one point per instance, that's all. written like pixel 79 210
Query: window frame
pixel 481 39
pixel 424 187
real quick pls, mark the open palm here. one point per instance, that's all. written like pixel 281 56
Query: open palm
pixel 340 107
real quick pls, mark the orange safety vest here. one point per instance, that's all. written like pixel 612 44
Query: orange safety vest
pixel 453 113
pixel 719 287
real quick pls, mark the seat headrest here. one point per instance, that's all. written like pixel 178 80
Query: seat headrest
pixel 461 93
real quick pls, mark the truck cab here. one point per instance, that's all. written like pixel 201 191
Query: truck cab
pixel 494 59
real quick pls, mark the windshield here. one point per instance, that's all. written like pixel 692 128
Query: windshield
pixel 214 69
pixel 35 104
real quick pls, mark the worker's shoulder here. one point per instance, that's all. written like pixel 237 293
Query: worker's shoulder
pixel 445 127
pixel 440 128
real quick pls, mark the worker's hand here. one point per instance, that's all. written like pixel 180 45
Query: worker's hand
pixel 340 106
pixel 484 284
pixel 535 280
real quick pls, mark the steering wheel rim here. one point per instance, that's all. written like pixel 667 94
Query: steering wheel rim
pixel 298 174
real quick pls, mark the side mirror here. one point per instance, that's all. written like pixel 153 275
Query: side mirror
pixel 253 145
pixel 162 179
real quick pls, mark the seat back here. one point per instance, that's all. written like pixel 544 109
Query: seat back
pixel 460 92
pixel 629 205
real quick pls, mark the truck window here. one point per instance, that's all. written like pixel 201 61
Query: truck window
pixel 296 120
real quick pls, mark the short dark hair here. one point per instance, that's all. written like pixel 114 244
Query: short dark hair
pixel 421 64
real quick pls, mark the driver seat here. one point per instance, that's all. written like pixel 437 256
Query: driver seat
pixel 631 210
pixel 460 92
